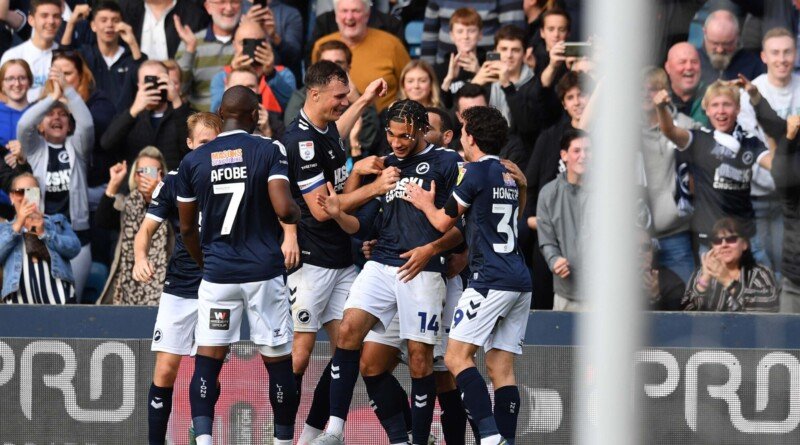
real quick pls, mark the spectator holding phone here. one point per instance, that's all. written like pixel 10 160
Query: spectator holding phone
pixel 251 49
pixel 125 213
pixel 465 32
pixel 58 154
pixel 283 26
pixel 157 117
pixel 36 249
pixel 507 73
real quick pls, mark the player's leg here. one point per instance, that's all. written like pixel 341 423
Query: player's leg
pixel 474 321
pixel 379 357
pixel 503 345
pixel 370 302
pixel 219 315
pixel 419 305
pixel 173 336
pixel 320 404
pixel 453 418
pixel 269 314
pixel 330 306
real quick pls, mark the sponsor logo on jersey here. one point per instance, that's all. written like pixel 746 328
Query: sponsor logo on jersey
pixel 306 150
pixel 423 168
pixel 400 188
pixel 220 319
pixel 226 157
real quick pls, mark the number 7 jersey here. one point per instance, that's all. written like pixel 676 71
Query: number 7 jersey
pixel 491 197
pixel 239 228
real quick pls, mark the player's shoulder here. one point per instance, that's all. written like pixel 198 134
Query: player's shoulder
pixel 448 155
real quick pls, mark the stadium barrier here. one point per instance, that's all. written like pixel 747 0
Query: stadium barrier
pixel 80 375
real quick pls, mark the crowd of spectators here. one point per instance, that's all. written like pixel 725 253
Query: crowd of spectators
pixel 96 95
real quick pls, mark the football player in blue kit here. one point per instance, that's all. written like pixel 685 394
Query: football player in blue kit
pixel 493 311
pixel 239 182
pixel 173 334
pixel 398 279
pixel 316 154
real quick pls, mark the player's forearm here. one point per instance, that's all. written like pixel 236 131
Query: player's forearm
pixel 450 240
pixel 348 223
pixel 439 219
pixel 353 200
pixel 348 119
pixel 289 230
pixel 141 244
pixel 677 135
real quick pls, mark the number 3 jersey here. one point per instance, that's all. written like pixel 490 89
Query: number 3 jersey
pixel 491 197
pixel 315 157
pixel 239 228
pixel 402 226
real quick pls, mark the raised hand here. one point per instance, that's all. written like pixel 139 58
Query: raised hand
pixel 662 98
pixel 330 204
pixel 377 88
pixel 186 34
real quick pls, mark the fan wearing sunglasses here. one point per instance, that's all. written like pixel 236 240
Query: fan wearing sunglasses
pixel 36 249
pixel 729 278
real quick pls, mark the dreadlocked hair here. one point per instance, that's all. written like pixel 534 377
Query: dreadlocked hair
pixel 409 112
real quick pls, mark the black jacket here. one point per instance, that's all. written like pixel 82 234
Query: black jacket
pixel 190 13
pixel 119 81
pixel 127 135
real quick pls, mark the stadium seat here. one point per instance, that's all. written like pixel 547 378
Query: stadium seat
pixel 413 35
pixel 98 275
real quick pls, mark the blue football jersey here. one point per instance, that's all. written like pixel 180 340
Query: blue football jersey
pixel 402 226
pixel 183 274
pixel 239 228
pixel 315 157
pixel 492 200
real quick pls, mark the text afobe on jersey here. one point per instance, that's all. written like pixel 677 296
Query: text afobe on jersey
pixel 400 188
pixel 229 173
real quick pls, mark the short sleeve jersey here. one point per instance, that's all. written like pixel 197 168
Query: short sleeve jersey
pixel 239 230
pixel 402 226
pixel 183 274
pixel 722 179
pixel 491 197
pixel 315 157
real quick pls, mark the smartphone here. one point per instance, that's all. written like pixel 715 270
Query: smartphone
pixel 150 172
pixel 263 3
pixel 152 84
pixel 249 47
pixel 577 49
pixel 492 56
pixel 33 194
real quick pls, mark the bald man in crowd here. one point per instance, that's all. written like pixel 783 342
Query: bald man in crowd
pixel 722 56
pixel 683 68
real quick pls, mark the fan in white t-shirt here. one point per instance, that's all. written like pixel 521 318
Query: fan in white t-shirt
pixel 45 19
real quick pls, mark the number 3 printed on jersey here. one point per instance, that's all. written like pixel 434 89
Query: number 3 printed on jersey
pixel 505 226
pixel 237 190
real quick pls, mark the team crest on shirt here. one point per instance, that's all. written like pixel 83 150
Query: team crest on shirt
pixel 63 157
pixel 226 157
pixel 508 181
pixel 423 168
pixel 306 150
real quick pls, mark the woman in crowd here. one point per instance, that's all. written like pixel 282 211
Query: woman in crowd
pixel 125 213
pixel 418 82
pixel 79 76
pixel 58 155
pixel 17 79
pixel 730 279
pixel 36 249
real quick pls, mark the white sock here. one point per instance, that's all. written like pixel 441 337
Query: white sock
pixel 491 440
pixel 276 441
pixel 205 439
pixel 309 433
pixel 335 426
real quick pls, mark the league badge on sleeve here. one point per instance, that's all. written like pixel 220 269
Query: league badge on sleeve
pixel 306 150
pixel 461 171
